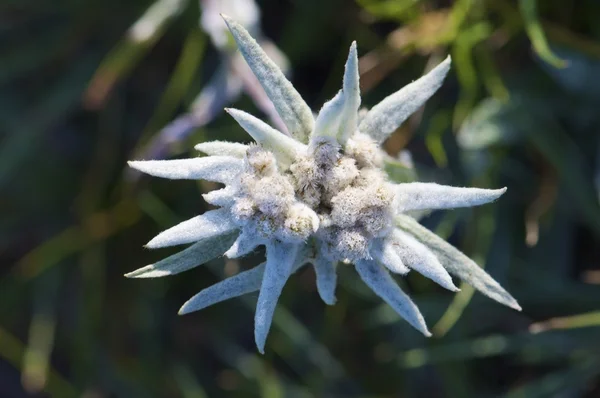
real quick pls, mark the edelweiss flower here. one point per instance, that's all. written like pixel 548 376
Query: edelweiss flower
pixel 319 196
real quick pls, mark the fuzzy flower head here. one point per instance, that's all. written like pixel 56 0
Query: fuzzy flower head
pixel 316 196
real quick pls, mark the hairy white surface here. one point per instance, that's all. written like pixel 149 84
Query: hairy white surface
pixel 223 148
pixel 380 281
pixel 417 256
pixel 280 258
pixel 210 224
pixel 197 254
pixel 214 168
pixel 235 286
pixel 423 195
pixel 326 278
pixel 328 120
pixel 283 147
pixel 224 197
pixel 384 118
pixel 351 90
pixel 294 112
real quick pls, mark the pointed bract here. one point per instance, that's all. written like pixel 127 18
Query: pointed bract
pixel 326 278
pixel 214 168
pixel 382 250
pixel 210 224
pixel 381 282
pixel 280 258
pixel 418 257
pixel 243 283
pixel 351 89
pixel 221 197
pixel 328 120
pixel 223 148
pixel 244 244
pixel 195 255
pixel 384 118
pixel 294 112
pixel 285 149
pixel 456 263
pixel 431 196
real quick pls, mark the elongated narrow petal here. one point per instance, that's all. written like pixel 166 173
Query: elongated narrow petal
pixel 326 279
pixel 457 263
pixel 280 258
pixel 294 112
pixel 390 113
pixel 195 255
pixel 382 283
pixel 382 250
pixel 351 89
pixel 223 148
pixel 243 283
pixel 210 224
pixel 284 148
pixel 221 197
pixel 243 245
pixel 423 195
pixel 328 120
pixel 418 257
pixel 211 168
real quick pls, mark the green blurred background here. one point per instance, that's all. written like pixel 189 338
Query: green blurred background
pixel 87 85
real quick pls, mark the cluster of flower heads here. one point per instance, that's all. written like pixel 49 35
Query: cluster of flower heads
pixel 317 196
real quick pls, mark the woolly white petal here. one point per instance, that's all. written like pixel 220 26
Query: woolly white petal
pixel 195 255
pixel 383 252
pixel 243 245
pixel 328 120
pixel 207 225
pixel 295 113
pixel 280 258
pixel 351 88
pixel 390 113
pixel 223 148
pixel 243 283
pixel 418 257
pixel 423 195
pixel 457 263
pixel 213 168
pixel 285 149
pixel 326 278
pixel 221 197
pixel 382 283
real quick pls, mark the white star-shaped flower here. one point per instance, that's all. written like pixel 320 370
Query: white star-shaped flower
pixel 317 196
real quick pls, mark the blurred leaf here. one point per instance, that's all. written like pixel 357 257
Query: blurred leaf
pixel 536 34
pixel 462 56
pixel 183 75
pixel 26 133
pixel 396 9
pixel 399 172
pixel 142 35
pixel 12 350
pixel 189 386
pixel 561 342
pixel 439 124
pixel 581 77
pixel 97 227
pixel 489 124
pixel 569 382
pixel 42 331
